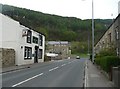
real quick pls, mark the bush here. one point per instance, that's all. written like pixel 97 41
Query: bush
pixel 107 62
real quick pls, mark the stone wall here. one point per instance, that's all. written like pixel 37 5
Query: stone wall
pixel 7 57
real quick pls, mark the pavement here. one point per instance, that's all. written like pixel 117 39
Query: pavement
pixel 20 67
pixel 95 78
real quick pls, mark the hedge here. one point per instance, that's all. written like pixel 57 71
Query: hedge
pixel 107 62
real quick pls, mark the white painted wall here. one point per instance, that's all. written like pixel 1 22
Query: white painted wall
pixel 0 31
pixel 118 7
pixel 9 34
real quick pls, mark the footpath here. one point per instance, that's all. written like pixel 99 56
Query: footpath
pixel 15 68
pixel 95 78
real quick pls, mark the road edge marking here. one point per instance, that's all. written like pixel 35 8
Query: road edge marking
pixel 86 75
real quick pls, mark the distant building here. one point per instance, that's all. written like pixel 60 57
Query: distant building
pixel 58 47
pixel 111 38
pixel 28 44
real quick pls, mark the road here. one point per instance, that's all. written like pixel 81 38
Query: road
pixel 63 73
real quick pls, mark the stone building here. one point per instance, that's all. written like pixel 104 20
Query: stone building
pixel 111 38
pixel 62 48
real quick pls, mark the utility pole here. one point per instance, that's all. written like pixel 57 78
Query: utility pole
pixel 92 31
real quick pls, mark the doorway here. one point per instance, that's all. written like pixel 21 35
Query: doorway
pixel 36 54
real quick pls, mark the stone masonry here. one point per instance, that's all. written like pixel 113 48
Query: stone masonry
pixel 7 57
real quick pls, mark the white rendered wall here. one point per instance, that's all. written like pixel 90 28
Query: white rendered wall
pixel 118 7
pixel 9 34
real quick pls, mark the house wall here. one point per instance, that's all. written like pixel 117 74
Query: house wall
pixel 61 49
pixel 109 39
pixel 10 34
pixel 0 31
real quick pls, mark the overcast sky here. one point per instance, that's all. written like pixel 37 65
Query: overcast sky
pixel 82 9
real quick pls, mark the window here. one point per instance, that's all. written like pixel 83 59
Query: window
pixel 109 35
pixel 40 54
pixel 35 40
pixel 28 53
pixel 29 34
pixel 40 40
pixel 117 35
pixel 117 51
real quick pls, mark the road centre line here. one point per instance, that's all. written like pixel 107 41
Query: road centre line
pixel 38 75
pixel 63 65
pixel 53 68
pixel 27 80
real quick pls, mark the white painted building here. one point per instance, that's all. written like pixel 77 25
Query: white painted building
pixel 29 45
pixel 118 7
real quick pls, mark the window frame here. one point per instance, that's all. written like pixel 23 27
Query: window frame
pixel 29 36
pixel 35 40
pixel 28 53
pixel 40 40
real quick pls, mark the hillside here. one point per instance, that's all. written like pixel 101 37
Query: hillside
pixel 57 27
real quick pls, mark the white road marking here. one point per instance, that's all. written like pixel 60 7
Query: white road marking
pixel 27 80
pixel 63 65
pixel 86 75
pixel 53 68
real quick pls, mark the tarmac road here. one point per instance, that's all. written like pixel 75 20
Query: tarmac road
pixel 63 73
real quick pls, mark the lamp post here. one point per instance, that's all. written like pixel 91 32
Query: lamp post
pixel 92 30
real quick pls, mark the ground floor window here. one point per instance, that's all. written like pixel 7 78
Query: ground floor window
pixel 28 53
pixel 40 54
pixel 117 51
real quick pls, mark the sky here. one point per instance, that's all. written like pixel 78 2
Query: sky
pixel 103 9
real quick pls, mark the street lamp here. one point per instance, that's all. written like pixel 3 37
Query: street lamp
pixel 92 30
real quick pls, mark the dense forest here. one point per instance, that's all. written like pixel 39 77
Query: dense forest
pixel 57 27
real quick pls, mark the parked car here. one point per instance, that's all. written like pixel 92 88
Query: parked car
pixel 77 57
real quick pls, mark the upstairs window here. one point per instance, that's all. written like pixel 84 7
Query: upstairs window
pixel 35 40
pixel 117 35
pixel 40 40
pixel 109 35
pixel 29 34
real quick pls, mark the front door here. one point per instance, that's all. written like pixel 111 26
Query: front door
pixel 36 55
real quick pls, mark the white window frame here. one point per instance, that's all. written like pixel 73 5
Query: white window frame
pixel 28 53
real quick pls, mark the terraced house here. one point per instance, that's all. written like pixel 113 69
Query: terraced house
pixel 111 38
pixel 28 44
